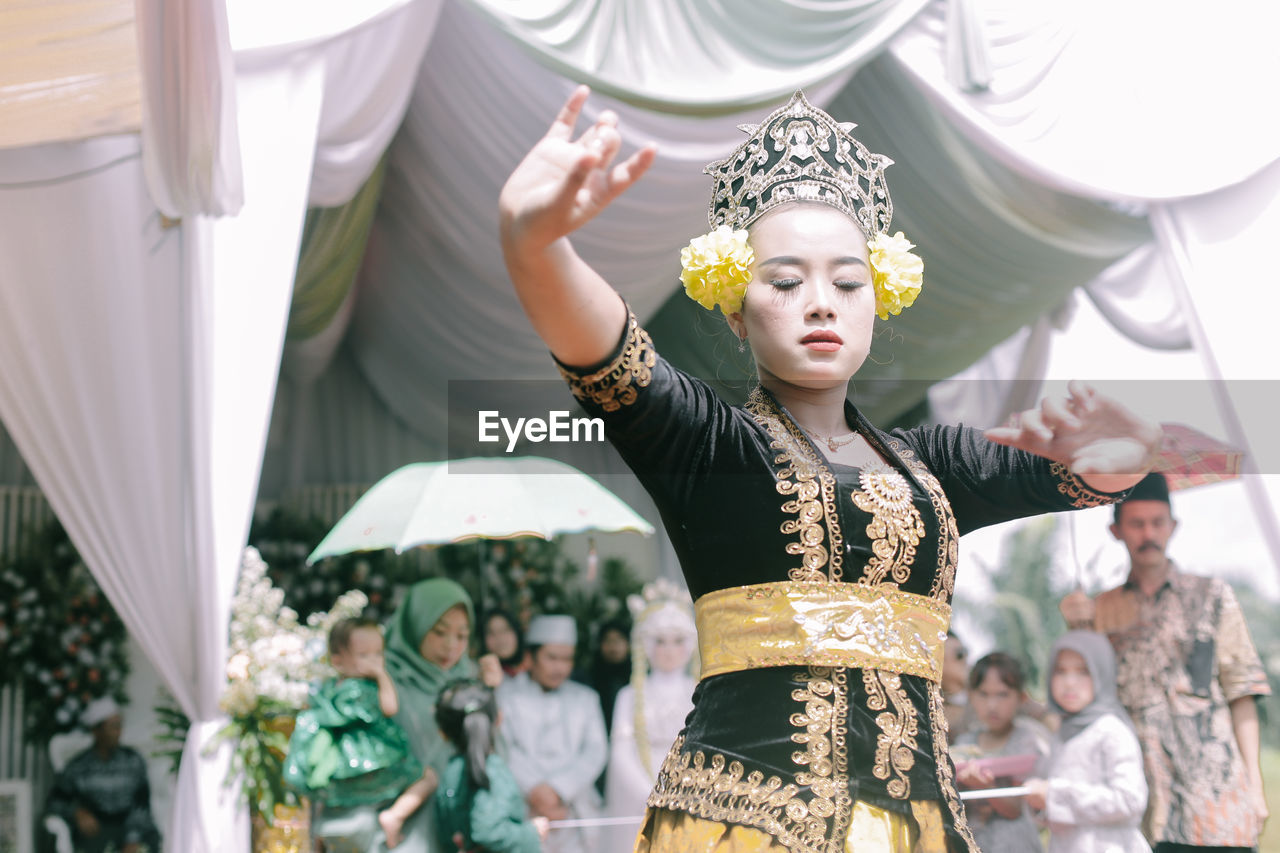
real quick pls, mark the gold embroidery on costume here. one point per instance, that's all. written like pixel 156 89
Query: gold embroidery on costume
pixel 948 533
pixel 821 624
pixel 896 527
pixel 1082 497
pixel 714 789
pixel 718 791
pixel 896 742
pixel 840 753
pixel 814 491
pixel 946 776
pixel 816 721
pixel 614 385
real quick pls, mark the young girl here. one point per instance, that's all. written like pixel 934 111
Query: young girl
pixel 479 804
pixel 1095 792
pixel 346 751
pixel 997 689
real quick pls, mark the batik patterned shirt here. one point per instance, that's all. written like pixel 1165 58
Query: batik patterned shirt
pixel 1183 655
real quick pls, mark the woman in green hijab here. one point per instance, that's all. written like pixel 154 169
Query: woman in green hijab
pixel 426 647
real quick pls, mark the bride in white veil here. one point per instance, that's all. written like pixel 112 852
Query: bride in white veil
pixel 650 711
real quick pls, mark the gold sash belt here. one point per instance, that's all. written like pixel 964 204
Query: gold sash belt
pixel 821 624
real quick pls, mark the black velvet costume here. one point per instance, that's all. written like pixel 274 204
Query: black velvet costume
pixel 746 499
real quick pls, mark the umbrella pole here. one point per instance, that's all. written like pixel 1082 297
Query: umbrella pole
pixel 480 605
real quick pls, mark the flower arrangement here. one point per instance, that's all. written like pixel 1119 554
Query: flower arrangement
pixel 60 639
pixel 284 539
pixel 273 659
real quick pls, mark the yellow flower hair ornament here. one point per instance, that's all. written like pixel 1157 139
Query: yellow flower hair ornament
pixel 896 272
pixel 717 269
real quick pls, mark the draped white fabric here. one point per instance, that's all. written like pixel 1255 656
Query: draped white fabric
pixel 439 274
pixel 370 53
pixel 438 225
pixel 155 477
pixel 99 362
pixel 741 54
pixel 1222 247
pixel 138 383
pixel 1135 100
pixel 190 151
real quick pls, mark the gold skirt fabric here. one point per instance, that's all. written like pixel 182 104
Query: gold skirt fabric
pixel 871 830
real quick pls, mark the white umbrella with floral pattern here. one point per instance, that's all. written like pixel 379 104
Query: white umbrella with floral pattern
pixel 436 503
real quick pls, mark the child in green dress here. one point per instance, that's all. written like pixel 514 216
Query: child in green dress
pixel 346 750
pixel 479 805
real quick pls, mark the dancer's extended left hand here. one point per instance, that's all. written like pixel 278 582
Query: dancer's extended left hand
pixel 1095 436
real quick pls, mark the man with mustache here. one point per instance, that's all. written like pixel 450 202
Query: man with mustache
pixel 1189 675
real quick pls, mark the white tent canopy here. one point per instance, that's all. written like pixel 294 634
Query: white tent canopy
pixel 141 354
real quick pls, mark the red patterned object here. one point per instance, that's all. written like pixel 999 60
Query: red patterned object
pixel 1190 458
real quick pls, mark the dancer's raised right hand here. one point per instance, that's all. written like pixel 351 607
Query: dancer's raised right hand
pixel 563 182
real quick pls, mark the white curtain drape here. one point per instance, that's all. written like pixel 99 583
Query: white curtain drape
pixel 140 373
pixel 742 55
pixel 1139 100
pixel 1116 112
pixel 370 54
pixel 437 306
pixel 1221 248
pixel 96 393
pixel 190 150
pixel 138 383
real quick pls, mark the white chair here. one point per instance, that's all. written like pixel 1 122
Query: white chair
pixel 63 748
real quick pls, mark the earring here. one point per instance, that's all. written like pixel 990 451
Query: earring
pixel 742 344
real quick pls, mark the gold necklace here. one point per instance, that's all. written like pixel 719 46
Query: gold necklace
pixel 832 441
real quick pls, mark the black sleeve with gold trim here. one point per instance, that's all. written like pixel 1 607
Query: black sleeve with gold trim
pixel 988 483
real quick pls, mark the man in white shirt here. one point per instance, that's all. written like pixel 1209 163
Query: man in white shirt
pixel 555 736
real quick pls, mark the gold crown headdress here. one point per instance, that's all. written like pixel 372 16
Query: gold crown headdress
pixel 799 153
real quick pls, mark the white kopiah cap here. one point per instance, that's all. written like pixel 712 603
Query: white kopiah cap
pixel 561 630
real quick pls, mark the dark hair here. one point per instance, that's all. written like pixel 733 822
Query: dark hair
pixel 340 633
pixel 515 626
pixel 1006 666
pixel 622 626
pixel 466 713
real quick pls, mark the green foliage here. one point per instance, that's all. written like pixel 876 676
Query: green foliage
pixel 1023 616
pixel 173 727
pixel 260 741
pixel 284 539
pixel 60 639
pixel 1260 614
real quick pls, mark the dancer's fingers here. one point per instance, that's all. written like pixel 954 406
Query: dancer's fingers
pixel 630 170
pixel 1054 414
pixel 567 118
pixel 1083 397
